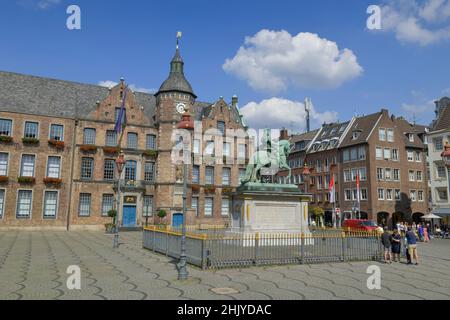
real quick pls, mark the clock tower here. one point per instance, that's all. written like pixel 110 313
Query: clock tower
pixel 174 98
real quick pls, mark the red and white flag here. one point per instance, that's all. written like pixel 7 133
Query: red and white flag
pixel 332 190
pixel 358 189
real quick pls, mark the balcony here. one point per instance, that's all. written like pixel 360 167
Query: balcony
pixel 132 185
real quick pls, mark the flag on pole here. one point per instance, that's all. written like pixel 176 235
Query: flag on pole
pixel 332 190
pixel 121 118
pixel 358 190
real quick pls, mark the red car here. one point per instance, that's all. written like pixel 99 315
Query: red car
pixel 360 225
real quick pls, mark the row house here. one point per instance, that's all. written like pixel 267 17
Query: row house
pixel 389 156
pixel 439 173
pixel 58 149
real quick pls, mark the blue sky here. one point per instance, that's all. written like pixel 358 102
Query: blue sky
pixel 320 49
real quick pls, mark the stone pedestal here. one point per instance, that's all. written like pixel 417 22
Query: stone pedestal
pixel 269 208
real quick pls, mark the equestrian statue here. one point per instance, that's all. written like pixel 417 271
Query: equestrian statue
pixel 268 158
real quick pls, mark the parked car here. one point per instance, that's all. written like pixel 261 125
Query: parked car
pixel 361 225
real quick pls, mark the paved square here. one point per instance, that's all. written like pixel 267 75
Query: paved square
pixel 33 266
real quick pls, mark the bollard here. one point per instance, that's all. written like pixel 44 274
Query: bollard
pixel 302 248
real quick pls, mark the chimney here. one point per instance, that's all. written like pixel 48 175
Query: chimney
pixel 234 101
pixel 284 134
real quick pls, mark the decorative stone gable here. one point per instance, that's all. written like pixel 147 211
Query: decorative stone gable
pixel 105 110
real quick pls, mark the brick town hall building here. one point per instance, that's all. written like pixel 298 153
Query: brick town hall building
pixel 58 149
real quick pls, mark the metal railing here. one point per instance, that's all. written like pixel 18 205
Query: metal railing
pixel 219 248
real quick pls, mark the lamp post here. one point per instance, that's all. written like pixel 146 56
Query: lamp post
pixel 185 124
pixel 446 158
pixel 306 173
pixel 120 162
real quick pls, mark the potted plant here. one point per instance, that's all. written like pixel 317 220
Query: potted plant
pixel 5 139
pixel 56 144
pixel 110 227
pixel 26 180
pixel 195 188
pixel 88 148
pixel 4 179
pixel 210 189
pixel 53 181
pixel 30 141
pixel 151 153
pixel 227 190
pixel 111 150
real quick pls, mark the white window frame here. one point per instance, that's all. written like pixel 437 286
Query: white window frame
pixel 209 213
pixel 50 137
pixel 25 129
pixel 22 165
pixel 44 205
pixel 30 214
pixel 47 172
pixel 225 200
pixel 383 192
pixel 5 165
pixel 2 203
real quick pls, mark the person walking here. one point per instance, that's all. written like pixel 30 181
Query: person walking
pixel 426 236
pixel 420 232
pixel 412 246
pixel 396 246
pixel 386 241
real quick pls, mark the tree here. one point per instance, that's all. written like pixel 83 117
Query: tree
pixel 162 214
pixel 318 214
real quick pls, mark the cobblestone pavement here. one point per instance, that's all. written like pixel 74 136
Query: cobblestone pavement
pixel 33 266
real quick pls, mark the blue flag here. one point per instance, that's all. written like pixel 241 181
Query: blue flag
pixel 121 118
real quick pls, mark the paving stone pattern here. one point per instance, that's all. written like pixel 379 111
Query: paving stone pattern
pixel 33 266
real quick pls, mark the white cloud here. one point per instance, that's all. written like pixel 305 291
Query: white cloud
pixel 276 60
pixel 110 84
pixel 422 22
pixel 44 4
pixel 38 4
pixel 278 113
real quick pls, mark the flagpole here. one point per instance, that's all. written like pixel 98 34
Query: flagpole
pixel 121 118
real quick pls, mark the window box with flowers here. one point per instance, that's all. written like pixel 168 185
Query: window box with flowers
pixel 88 148
pixel 30 141
pixel 26 180
pixel 4 179
pixel 111 150
pixel 195 188
pixel 151 153
pixel 227 190
pixel 210 189
pixel 56 144
pixel 55 182
pixel 5 139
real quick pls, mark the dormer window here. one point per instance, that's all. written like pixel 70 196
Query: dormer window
pixel 411 137
pixel 356 134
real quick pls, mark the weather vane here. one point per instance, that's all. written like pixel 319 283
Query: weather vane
pixel 179 34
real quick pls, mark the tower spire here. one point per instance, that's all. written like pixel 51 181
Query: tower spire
pixel 179 35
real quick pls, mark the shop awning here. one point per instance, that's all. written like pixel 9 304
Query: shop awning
pixel 442 212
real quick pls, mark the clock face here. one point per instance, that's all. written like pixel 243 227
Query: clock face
pixel 181 108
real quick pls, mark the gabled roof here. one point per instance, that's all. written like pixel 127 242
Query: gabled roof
pixel 364 125
pixel 58 98
pixel 408 128
pixel 328 137
pixel 442 121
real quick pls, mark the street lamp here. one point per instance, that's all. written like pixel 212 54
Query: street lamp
pixel 120 163
pixel 185 124
pixel 446 158
pixel 306 172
